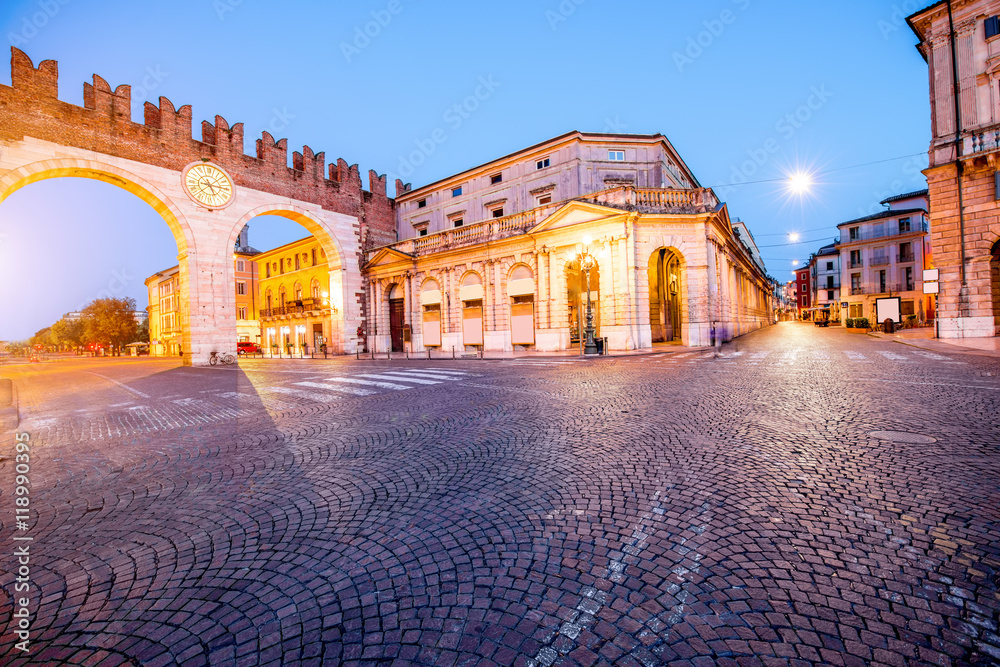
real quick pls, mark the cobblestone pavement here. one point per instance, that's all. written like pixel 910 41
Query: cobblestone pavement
pixel 812 497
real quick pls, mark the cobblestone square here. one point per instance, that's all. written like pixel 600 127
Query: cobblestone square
pixel 810 497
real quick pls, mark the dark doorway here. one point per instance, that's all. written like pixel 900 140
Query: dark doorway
pixel 396 324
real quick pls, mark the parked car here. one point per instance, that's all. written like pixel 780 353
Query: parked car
pixel 246 347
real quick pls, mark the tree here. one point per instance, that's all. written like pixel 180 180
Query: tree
pixel 110 321
pixel 68 333
pixel 142 332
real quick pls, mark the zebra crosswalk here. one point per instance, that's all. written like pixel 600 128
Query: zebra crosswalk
pixel 326 389
pixel 798 356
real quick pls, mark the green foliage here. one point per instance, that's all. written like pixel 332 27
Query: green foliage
pixel 110 321
pixel 142 332
pixel 861 323
pixel 849 323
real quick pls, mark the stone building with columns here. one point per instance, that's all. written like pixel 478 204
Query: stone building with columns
pixel 490 258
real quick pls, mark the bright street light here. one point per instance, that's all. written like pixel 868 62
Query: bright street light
pixel 800 182
pixel 793 237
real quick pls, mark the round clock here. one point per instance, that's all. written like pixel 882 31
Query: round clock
pixel 208 185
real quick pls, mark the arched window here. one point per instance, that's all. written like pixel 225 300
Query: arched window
pixel 268 298
pixel 471 278
pixel 314 288
pixel 281 296
pixel 298 291
pixel 522 272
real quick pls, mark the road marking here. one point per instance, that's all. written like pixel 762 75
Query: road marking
pixel 406 375
pixel 332 387
pixel 123 386
pixel 930 355
pixel 397 378
pixel 760 355
pixel 821 355
pixel 855 356
pixel 445 370
pixel 313 395
pixel 373 383
pixel 892 356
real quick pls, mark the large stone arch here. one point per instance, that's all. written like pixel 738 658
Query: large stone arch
pixel 43 137
pixel 667 310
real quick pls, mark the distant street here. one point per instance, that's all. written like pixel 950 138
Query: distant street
pixel 811 497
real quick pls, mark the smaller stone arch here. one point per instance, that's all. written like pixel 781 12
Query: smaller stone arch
pixel 666 281
pixel 297 290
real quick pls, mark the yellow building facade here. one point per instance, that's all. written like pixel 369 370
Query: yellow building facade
pixel 295 310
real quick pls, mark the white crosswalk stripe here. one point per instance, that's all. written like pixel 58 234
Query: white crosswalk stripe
pixel 422 374
pixel 892 356
pixel 930 355
pixel 377 376
pixel 326 386
pixel 855 356
pixel 370 383
pixel 312 395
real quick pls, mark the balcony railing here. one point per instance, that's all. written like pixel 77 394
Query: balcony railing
pixel 629 198
pixel 902 258
pixel 871 234
pixel 856 264
pixel 876 288
pixel 294 308
pixel 880 260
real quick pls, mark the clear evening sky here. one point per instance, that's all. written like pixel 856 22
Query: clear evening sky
pixel 746 90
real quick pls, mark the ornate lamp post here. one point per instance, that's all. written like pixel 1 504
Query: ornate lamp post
pixel 586 264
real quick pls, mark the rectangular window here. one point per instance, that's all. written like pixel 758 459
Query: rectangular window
pixel 241 288
pixel 423 232
pixel 456 192
pixel 497 212
pixel 421 203
pixel 240 266
pixel 904 225
pixel 906 308
pixel 881 280
pixel 542 164
pixel 855 281
pixel 267 269
pixel 829 266
pixel 458 222
pixel 829 296
pixel 617 156
pixel 297 261
pixel 496 178
pixel 829 282
pixel 242 313
pixel 547 199
pixel 992 25
pixel 314 256
pixel 908 277
pixel 854 233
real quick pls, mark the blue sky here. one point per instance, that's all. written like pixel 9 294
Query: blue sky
pixel 746 90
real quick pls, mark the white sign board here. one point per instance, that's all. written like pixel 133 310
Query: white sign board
pixel 930 275
pixel 931 287
pixel 887 308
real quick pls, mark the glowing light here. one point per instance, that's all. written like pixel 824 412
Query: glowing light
pixel 586 240
pixel 793 237
pixel 795 262
pixel 800 182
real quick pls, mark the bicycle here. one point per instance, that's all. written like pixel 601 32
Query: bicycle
pixel 216 358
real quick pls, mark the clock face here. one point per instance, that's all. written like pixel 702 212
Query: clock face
pixel 208 185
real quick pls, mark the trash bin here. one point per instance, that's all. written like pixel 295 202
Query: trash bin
pixel 888 326
pixel 600 345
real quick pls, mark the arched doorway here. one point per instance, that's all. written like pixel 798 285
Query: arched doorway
pixel 995 284
pixel 394 295
pixel 576 300
pixel 664 274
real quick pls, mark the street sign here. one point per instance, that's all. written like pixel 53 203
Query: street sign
pixel 931 287
pixel 930 275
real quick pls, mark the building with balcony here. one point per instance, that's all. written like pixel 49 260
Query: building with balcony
pixel 884 255
pixel 824 270
pixel 803 291
pixel 496 257
pixel 164 309
pixel 964 172
pixel 295 310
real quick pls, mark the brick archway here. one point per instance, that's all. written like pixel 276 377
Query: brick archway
pixel 42 137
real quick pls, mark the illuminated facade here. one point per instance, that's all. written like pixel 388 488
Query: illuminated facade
pixel 491 257
pixel 295 311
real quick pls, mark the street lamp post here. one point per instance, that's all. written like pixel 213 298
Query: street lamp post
pixel 586 264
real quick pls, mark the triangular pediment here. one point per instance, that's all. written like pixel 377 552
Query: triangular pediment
pixel 575 213
pixel 387 256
